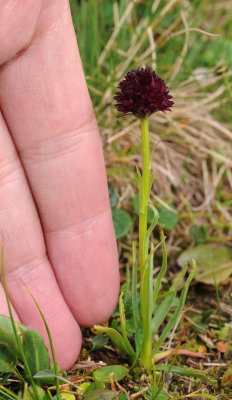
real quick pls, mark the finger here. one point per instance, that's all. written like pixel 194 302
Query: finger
pixel 47 107
pixel 17 25
pixel 25 260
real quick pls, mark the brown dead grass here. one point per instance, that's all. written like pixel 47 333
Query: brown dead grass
pixel 194 157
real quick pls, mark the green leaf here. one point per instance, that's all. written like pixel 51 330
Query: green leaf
pixel 94 386
pixel 213 263
pixel 6 396
pixel 99 341
pixel 168 218
pixel 116 372
pixel 150 213
pixel 35 351
pixel 7 335
pixel 223 333
pixel 67 396
pixel 152 225
pixel 100 394
pixel 128 305
pixel 139 336
pixel 113 196
pixel 122 222
pixel 168 327
pixel 82 387
pixel 8 359
pixel 123 328
pixel 55 365
pixel 29 393
pixel 159 394
pixel 185 372
pixel 116 338
pixel 122 396
pixel 161 312
pixel 157 285
pixel 179 280
pixel 48 377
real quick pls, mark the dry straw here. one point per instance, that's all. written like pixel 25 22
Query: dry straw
pixel 195 152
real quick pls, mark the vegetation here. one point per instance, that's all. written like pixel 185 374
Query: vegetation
pixel 189 44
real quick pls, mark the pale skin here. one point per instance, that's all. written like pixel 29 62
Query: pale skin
pixel 55 216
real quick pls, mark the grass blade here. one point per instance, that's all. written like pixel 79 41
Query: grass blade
pixel 51 345
pixel 162 271
pixel 128 280
pixel 8 394
pixel 176 314
pixel 161 312
pixel 18 339
pixel 152 226
pixel 123 327
pixel 185 372
pixel 179 278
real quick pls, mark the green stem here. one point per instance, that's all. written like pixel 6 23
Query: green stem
pixel 51 346
pixel 145 271
pixel 144 195
pixel 147 318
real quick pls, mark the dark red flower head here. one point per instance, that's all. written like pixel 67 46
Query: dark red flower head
pixel 142 93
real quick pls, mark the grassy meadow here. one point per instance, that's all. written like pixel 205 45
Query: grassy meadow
pixel 189 44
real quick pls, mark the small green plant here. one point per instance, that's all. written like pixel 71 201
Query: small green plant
pixel 19 343
pixel 143 92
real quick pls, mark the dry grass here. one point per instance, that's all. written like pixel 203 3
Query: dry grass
pixel 194 157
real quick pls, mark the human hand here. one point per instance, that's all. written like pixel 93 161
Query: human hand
pixel 55 216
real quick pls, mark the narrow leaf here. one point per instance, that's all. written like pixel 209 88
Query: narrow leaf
pixel 162 271
pixel 153 224
pixel 14 327
pixel 176 314
pixel 159 394
pixel 139 336
pixel 179 279
pixel 116 338
pixel 185 372
pixel 161 312
pixel 123 327
pixel 128 280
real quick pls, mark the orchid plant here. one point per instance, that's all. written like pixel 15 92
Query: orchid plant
pixel 141 93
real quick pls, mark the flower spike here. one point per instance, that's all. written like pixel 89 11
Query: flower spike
pixel 142 92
